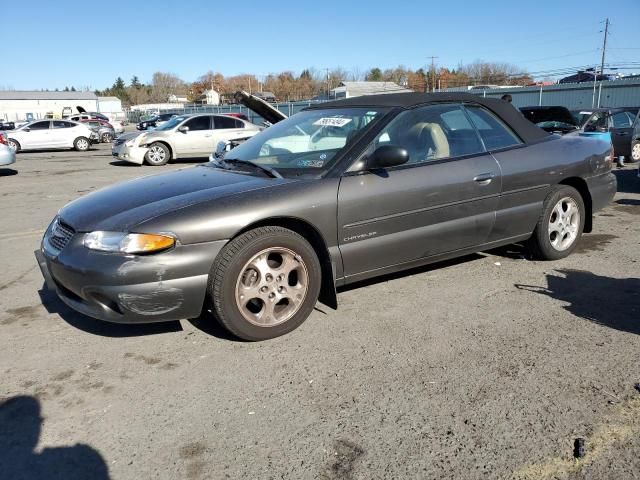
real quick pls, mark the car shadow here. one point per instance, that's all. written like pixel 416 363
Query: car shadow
pixel 628 181
pixel 54 305
pixel 7 172
pixel 207 323
pixel 628 201
pixel 21 419
pixel 607 301
pixel 122 163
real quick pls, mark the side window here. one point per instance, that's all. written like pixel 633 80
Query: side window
pixel 431 133
pixel 199 123
pixel 239 123
pixel 224 122
pixel 622 120
pixel 495 134
pixel 40 126
pixel 61 124
pixel 597 122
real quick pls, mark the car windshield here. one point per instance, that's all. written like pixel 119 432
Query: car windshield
pixel 306 143
pixel 171 123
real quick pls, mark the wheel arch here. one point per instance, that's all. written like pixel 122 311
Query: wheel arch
pixel 328 294
pixel 16 142
pixel 583 189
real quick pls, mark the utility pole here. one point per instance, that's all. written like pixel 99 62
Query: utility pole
pixel 604 46
pixel 327 83
pixel 433 73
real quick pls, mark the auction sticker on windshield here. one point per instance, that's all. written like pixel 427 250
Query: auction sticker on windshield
pixel 332 122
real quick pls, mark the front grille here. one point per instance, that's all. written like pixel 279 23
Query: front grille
pixel 60 234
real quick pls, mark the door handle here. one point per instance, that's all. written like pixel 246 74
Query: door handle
pixel 484 178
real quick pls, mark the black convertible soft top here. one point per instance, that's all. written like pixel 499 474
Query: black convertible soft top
pixel 526 130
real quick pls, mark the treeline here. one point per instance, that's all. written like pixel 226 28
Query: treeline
pixel 287 86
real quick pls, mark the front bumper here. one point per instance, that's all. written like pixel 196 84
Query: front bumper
pixel 129 154
pixel 130 288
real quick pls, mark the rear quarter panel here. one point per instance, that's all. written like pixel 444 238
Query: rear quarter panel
pixel 529 172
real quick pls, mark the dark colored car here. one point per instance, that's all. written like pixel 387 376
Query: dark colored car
pixel 338 193
pixel 621 123
pixel 586 76
pixel 552 119
pixel 154 121
pixel 6 125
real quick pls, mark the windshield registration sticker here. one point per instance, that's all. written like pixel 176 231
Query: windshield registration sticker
pixel 332 122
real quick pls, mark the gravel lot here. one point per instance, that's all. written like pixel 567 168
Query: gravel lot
pixel 485 367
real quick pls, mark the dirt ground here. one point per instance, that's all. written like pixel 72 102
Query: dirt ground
pixel 490 366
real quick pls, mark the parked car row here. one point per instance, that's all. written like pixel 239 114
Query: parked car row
pixel 620 126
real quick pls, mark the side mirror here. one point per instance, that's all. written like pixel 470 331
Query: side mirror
pixel 387 156
pixel 26 129
pixel 183 129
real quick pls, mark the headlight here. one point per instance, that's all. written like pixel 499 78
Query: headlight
pixel 128 242
pixel 139 139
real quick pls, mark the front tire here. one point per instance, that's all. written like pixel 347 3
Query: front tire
pixel 265 283
pixel 158 154
pixel 107 137
pixel 81 144
pixel 635 151
pixel 560 226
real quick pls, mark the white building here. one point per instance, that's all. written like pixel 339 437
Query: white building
pixel 20 105
pixel 210 97
pixel 111 107
pixel 173 98
pixel 357 89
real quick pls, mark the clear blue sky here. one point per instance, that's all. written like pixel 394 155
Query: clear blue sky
pixel 51 44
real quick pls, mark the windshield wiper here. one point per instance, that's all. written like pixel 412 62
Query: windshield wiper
pixel 268 170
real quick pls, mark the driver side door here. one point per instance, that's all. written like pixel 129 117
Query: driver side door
pixel 38 135
pixel 444 199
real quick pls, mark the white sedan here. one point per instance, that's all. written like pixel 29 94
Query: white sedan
pixel 44 134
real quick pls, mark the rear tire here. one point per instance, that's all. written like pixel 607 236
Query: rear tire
pixel 265 283
pixel 158 154
pixel 81 144
pixel 635 151
pixel 560 226
pixel 13 144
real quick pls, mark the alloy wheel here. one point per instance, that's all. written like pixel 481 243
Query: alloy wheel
pixel 635 152
pixel 564 223
pixel 156 154
pixel 272 286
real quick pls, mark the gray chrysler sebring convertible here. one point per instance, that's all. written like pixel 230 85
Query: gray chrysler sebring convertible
pixel 340 192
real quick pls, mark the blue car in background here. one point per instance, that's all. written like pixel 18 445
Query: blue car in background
pixel 617 125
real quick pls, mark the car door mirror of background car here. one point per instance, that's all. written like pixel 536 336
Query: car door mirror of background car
pixel 387 156
pixel 183 129
pixel 26 129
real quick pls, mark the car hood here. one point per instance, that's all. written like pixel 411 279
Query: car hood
pixel 122 206
pixel 259 106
